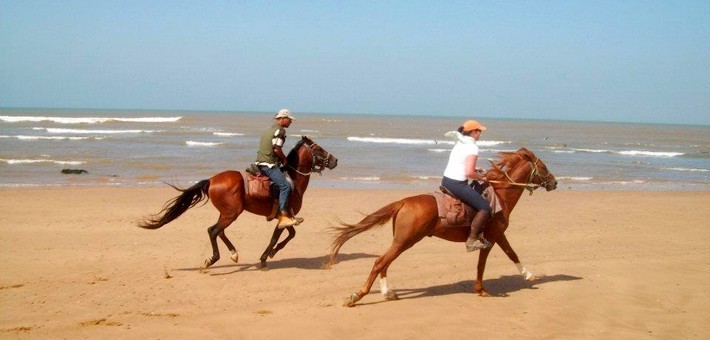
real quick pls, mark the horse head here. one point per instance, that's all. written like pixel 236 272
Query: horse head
pixel 307 153
pixel 539 174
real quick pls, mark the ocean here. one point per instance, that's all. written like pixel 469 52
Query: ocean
pixel 150 148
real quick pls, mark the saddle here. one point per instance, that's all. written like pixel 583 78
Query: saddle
pixel 259 186
pixel 456 213
pixel 451 209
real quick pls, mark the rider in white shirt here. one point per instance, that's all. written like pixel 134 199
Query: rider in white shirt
pixel 462 167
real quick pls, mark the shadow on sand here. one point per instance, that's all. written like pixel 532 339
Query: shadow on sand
pixel 500 287
pixel 299 262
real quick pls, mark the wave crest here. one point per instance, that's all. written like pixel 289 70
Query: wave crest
pixel 88 120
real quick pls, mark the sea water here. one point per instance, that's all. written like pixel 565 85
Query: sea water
pixel 150 148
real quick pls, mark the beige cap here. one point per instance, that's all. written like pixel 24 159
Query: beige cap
pixel 284 113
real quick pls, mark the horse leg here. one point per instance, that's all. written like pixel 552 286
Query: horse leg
pixel 234 255
pixel 282 244
pixel 218 230
pixel 384 288
pixel 213 232
pixel 270 247
pixel 380 265
pixel 226 191
pixel 505 245
pixel 482 257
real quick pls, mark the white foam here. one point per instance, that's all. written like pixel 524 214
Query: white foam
pixel 423 177
pixel 572 178
pixel 94 131
pixel 87 120
pixel 491 142
pixel 592 150
pixel 32 161
pixel 49 137
pixel 148 119
pixel 411 141
pixel 193 143
pixel 686 169
pixel 650 153
pixel 227 134
pixel 362 179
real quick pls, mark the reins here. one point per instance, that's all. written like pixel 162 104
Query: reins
pixel 529 185
pixel 314 165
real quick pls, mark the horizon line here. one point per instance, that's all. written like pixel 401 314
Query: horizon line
pixel 351 113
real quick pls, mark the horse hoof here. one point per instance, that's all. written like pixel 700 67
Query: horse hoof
pixel 483 294
pixel 531 278
pixel 208 263
pixel 391 295
pixel 234 257
pixel 349 302
pixel 264 268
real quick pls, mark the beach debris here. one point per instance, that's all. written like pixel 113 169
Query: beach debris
pixel 74 171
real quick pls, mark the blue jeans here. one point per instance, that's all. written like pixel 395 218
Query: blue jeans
pixel 465 193
pixel 277 177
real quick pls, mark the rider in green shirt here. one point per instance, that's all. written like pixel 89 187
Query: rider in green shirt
pixel 270 159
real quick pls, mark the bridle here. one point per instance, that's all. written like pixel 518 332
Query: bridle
pixel 529 185
pixel 318 162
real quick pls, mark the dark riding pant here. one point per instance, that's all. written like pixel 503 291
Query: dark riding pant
pixel 466 193
pixel 277 177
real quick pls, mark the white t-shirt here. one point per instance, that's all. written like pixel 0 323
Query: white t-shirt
pixel 456 168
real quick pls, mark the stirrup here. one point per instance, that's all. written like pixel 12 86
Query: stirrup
pixel 477 244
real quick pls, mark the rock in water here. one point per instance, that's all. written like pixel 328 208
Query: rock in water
pixel 74 171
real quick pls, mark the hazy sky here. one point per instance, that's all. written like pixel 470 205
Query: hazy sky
pixel 636 61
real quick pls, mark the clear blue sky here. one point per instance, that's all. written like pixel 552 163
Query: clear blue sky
pixel 635 61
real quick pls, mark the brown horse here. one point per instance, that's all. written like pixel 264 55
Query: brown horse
pixel 227 192
pixel 415 217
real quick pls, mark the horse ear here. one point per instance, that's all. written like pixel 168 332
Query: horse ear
pixel 525 153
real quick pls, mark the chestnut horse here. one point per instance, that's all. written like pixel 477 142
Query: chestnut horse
pixel 415 217
pixel 228 194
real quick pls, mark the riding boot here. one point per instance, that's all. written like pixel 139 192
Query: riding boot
pixel 285 220
pixel 475 238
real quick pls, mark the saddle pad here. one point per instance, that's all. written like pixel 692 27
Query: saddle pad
pixel 492 197
pixel 452 210
pixel 456 213
pixel 258 186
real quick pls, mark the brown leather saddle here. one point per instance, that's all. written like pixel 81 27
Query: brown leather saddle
pixel 258 185
pixel 454 212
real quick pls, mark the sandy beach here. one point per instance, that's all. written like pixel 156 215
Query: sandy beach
pixel 612 264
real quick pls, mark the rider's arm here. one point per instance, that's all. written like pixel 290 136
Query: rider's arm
pixel 471 169
pixel 280 154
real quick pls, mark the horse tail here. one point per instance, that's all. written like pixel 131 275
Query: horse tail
pixel 346 231
pixel 178 205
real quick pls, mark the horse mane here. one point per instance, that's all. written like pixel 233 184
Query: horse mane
pixel 292 156
pixel 506 161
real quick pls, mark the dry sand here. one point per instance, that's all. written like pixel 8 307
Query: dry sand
pixel 628 265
